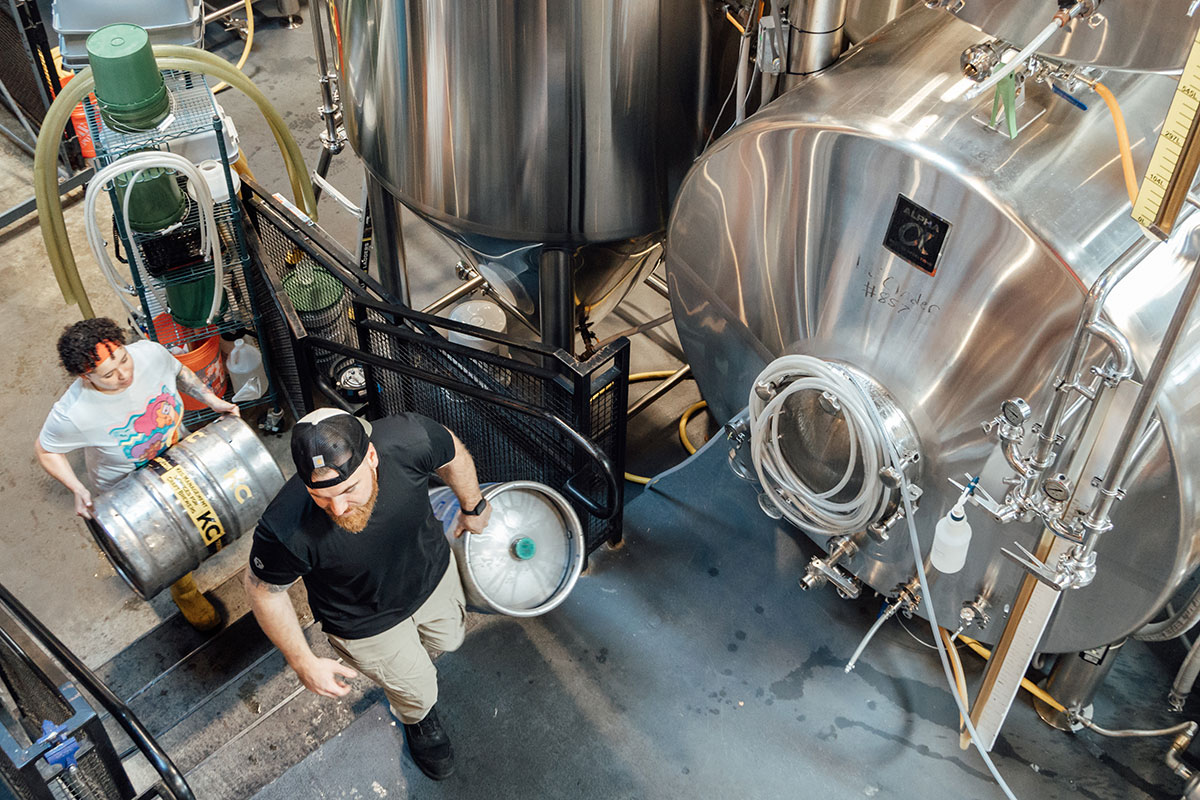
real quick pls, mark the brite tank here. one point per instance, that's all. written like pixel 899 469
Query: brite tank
pixel 1123 34
pixel 776 245
pixel 515 123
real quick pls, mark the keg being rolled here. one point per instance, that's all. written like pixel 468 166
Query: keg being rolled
pixel 162 521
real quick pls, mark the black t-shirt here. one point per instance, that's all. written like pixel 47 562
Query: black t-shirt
pixel 361 584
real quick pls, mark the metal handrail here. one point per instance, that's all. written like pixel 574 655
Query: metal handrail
pixel 171 776
pixel 603 462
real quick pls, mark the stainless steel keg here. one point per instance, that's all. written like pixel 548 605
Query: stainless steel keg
pixel 161 521
pixel 529 557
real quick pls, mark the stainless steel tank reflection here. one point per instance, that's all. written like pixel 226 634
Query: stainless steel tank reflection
pixel 777 245
pixel 1123 34
pixel 535 121
pixel 864 17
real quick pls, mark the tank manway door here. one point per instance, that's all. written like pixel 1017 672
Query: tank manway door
pixel 1176 155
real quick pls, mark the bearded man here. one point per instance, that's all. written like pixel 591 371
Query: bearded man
pixel 355 524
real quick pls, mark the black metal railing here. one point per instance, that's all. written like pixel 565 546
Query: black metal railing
pixel 526 411
pixel 52 741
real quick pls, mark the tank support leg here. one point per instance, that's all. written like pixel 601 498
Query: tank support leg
pixel 388 240
pixel 557 308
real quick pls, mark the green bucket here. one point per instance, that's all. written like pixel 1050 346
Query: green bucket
pixel 129 85
pixel 190 301
pixel 156 201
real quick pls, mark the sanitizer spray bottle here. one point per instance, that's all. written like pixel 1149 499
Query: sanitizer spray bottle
pixel 952 538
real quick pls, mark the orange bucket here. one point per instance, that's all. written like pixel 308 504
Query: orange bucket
pixel 205 358
pixel 207 362
pixel 79 122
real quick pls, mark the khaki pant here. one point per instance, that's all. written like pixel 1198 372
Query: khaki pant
pixel 399 658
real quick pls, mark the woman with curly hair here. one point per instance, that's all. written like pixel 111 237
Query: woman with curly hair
pixel 122 410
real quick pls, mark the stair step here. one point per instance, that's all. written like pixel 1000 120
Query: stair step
pixel 257 755
pixel 168 643
pixel 244 703
pixel 225 706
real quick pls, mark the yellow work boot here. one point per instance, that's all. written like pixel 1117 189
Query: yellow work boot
pixel 194 606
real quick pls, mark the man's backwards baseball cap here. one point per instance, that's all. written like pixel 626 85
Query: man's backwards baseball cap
pixel 329 438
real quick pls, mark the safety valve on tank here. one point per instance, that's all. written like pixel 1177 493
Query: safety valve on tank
pixel 952 536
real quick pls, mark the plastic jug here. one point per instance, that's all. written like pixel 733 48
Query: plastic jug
pixel 245 367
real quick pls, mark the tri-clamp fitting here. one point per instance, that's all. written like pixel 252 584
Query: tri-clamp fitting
pixel 908 596
pixel 974 612
pixel 1074 570
pixel 828 570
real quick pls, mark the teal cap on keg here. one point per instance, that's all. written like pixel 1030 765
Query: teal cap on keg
pixel 524 548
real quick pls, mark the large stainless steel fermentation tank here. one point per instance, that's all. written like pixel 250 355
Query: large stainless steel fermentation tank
pixel 777 245
pixel 513 125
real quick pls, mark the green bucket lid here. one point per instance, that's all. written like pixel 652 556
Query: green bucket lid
pixel 129 85
pixel 523 548
pixel 311 288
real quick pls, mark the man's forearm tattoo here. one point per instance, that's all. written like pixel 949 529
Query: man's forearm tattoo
pixel 274 588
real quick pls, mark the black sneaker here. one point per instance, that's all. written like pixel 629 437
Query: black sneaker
pixel 430 747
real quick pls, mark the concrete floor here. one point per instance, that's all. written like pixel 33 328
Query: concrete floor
pixel 687 664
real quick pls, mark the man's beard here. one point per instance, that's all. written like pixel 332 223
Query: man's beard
pixel 356 519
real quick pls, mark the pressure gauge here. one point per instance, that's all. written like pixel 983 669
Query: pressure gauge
pixel 1015 411
pixel 1057 488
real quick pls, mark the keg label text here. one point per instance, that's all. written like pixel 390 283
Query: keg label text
pixel 194 503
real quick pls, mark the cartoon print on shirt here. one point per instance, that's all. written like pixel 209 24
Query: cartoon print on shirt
pixel 147 434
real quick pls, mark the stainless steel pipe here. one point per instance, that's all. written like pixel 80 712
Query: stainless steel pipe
pixel 388 239
pixel 1093 307
pixel 646 400
pixel 456 294
pixel 816 37
pixel 1097 520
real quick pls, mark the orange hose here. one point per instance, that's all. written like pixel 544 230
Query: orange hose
pixel 1131 184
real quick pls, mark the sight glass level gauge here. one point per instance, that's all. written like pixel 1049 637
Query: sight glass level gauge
pixel 1176 155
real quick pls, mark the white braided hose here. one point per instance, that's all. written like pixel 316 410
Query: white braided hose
pixel 138 163
pixel 812 507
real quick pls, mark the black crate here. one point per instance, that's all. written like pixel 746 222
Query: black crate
pixel 533 413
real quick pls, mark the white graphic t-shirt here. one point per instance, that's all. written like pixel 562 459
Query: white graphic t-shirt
pixel 124 431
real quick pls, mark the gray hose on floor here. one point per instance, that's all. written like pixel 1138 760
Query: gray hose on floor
pixel 1174 626
pixel 1185 679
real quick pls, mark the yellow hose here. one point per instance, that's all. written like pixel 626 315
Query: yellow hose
pixel 1026 684
pixel 683 437
pixel 1131 184
pixel 960 679
pixel 45 178
pixel 683 422
pixel 222 86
